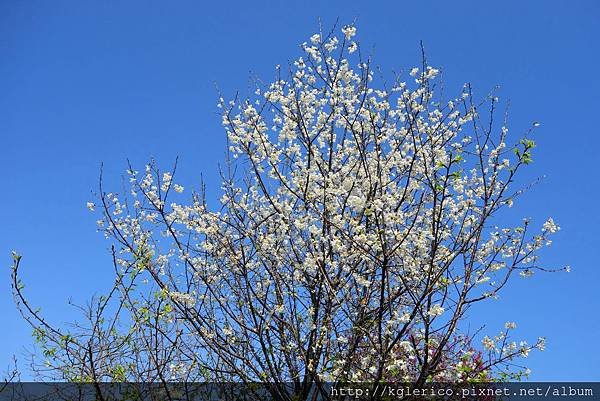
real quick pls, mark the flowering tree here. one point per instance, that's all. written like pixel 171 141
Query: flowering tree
pixel 355 230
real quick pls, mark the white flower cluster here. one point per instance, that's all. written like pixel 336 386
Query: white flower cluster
pixel 355 204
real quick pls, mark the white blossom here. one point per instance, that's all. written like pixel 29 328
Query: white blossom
pixel 550 226
pixel 349 31
pixel 435 310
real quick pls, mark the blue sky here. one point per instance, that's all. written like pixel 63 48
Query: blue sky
pixel 84 82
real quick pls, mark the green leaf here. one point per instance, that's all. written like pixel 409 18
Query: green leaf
pixel 526 159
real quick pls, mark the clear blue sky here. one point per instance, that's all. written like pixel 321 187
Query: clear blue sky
pixel 88 81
